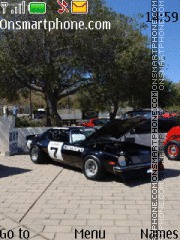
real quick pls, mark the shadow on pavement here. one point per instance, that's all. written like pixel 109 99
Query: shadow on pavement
pixel 63 165
pixel 167 173
pixel 9 171
pixel 131 180
pixel 170 173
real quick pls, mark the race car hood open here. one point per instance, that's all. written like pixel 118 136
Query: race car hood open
pixel 117 128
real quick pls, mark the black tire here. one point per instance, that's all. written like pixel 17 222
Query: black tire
pixel 37 155
pixel 172 150
pixel 93 168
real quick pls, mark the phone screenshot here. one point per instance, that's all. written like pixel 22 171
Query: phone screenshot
pixel 89 119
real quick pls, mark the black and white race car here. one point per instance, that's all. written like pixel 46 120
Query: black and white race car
pixel 94 151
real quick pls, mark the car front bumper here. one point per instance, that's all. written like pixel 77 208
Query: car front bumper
pixel 118 169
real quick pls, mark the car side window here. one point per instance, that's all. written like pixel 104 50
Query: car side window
pixel 77 136
pixel 59 136
pixel 63 137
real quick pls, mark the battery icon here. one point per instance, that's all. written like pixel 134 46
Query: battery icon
pixel 37 7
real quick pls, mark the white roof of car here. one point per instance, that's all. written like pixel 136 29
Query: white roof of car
pixel 66 128
pixel 61 128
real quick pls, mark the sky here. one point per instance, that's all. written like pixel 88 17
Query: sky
pixel 172 30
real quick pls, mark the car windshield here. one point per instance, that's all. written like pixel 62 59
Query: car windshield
pixel 88 131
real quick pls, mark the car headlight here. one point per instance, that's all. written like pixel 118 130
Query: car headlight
pixel 122 160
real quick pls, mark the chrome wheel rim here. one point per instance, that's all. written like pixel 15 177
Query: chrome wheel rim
pixel 91 167
pixel 173 150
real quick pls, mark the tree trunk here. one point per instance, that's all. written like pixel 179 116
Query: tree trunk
pixel 53 118
pixel 113 112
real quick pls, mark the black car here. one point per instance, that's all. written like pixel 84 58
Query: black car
pixel 145 113
pixel 94 151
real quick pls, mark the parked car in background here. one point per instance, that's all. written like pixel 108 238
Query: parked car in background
pixel 140 113
pixel 173 114
pixel 40 113
pixel 94 151
pixel 172 144
pixel 169 115
pixel 95 122
pixel 142 134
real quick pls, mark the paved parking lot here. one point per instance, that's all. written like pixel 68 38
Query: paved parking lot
pixel 51 202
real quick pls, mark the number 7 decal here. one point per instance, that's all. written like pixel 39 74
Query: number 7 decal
pixel 55 151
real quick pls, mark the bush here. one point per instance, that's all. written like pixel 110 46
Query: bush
pixel 26 121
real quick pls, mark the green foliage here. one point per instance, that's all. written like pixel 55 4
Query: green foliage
pixel 173 99
pixel 8 88
pixel 22 122
pixel 47 61
pixel 27 122
pixel 60 62
pixel 169 95
pixel 121 65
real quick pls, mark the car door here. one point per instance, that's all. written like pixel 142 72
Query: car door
pixel 57 140
pixel 73 150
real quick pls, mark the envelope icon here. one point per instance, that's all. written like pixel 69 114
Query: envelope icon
pixel 79 7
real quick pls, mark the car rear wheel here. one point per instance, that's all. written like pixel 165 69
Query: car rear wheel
pixel 37 155
pixel 172 150
pixel 93 168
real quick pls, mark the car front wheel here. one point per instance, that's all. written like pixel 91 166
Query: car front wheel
pixel 172 150
pixel 93 168
pixel 37 155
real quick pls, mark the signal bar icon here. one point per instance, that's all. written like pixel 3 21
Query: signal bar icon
pixel 19 9
pixel 4 5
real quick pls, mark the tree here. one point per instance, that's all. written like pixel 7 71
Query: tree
pixel 126 74
pixel 121 66
pixel 44 61
pixel 170 95
pixel 114 64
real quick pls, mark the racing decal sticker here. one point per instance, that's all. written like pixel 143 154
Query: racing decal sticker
pixel 54 150
pixel 73 148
